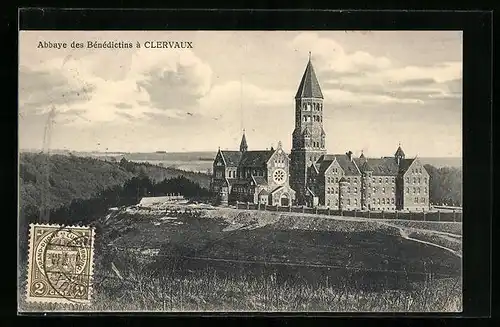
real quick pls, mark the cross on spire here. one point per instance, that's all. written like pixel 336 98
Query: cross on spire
pixel 309 55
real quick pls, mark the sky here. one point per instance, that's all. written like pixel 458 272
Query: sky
pixel 380 88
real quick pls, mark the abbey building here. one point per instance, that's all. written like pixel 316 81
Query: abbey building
pixel 310 176
pixel 260 176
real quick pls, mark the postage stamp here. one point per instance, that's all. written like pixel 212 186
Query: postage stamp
pixel 60 264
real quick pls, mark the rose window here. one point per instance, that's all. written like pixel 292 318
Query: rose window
pixel 279 176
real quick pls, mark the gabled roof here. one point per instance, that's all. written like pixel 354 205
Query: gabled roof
pixel 259 180
pixel 264 192
pixel 365 166
pixel 315 167
pixel 276 189
pixel 382 167
pixel 232 158
pixel 347 165
pixel 324 164
pixel 255 158
pixel 309 85
pixel 359 162
pixel 399 152
pixel 405 164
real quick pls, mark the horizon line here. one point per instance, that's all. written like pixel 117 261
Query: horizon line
pixel 207 151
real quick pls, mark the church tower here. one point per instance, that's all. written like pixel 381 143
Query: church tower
pixel 308 138
pixel 243 144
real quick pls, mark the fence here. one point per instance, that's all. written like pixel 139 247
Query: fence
pixel 455 216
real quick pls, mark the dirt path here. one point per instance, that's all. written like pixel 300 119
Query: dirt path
pixel 404 234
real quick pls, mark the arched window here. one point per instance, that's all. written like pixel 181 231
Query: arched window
pixel 387 180
pixel 383 189
pixel 348 180
pixel 383 200
pixel 380 180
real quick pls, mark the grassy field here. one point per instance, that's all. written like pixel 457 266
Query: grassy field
pixel 229 260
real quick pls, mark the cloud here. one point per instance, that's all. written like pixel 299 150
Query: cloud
pixel 362 78
pixel 331 55
pixel 144 85
pixel 144 82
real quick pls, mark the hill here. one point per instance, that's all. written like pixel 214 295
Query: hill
pixel 80 178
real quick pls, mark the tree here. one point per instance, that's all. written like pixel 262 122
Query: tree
pixel 445 185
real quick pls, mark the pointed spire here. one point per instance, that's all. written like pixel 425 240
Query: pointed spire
pixel 309 85
pixel 399 155
pixel 362 156
pixel 399 152
pixel 243 144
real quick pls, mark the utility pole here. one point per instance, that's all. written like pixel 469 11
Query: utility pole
pixel 44 205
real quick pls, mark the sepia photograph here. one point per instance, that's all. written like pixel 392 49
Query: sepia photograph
pixel 240 171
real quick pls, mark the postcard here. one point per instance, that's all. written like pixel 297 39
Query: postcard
pixel 240 171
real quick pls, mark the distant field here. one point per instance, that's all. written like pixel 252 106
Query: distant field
pixel 223 259
pixel 199 161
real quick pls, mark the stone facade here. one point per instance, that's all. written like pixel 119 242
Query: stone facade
pixel 310 176
pixel 308 137
pixel 252 176
pixel 340 181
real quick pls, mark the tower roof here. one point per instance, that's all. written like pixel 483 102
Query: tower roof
pixel 399 152
pixel 309 85
pixel 243 144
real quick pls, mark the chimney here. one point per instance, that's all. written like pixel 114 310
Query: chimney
pixel 349 155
